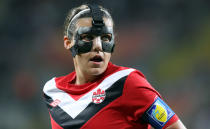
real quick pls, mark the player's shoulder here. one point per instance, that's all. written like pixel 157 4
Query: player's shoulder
pixel 120 67
pixel 116 68
pixel 56 80
pixel 136 75
pixel 49 84
pixel 136 79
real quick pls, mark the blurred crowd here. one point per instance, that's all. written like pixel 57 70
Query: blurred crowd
pixel 169 41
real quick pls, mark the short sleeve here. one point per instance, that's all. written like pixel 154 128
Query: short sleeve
pixel 139 96
pixel 50 103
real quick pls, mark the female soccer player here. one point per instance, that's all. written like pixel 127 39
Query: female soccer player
pixel 99 94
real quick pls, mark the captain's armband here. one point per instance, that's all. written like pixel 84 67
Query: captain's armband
pixel 158 114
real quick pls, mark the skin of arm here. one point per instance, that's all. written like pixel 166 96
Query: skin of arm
pixel 176 125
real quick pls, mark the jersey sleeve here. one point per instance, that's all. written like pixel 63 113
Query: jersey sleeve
pixel 145 103
pixel 48 87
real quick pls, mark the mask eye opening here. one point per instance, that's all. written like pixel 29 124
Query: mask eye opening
pixel 106 37
pixel 86 37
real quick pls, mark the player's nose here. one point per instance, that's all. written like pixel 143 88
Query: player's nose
pixel 97 44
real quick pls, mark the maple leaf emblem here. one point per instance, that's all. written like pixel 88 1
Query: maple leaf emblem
pixel 98 96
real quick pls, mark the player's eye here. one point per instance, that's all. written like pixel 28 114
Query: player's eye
pixel 106 37
pixel 86 37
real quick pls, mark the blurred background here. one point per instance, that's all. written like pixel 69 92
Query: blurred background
pixel 168 40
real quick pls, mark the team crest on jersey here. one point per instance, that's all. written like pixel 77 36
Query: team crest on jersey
pixel 98 96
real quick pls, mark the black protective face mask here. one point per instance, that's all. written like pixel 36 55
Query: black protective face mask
pixel 86 46
pixel 98 29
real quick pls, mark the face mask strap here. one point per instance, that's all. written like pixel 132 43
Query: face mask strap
pixel 97 15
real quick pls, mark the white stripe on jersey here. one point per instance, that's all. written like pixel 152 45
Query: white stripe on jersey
pixel 73 107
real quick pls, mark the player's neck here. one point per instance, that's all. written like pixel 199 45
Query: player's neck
pixel 82 79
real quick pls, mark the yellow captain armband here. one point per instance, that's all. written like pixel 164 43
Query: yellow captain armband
pixel 158 114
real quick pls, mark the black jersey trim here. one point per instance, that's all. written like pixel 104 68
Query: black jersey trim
pixel 67 122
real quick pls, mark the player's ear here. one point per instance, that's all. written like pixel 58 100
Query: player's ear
pixel 67 43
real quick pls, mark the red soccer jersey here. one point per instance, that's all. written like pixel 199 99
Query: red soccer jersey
pixel 121 98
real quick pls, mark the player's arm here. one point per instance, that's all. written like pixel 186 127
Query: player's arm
pixel 177 125
pixel 153 110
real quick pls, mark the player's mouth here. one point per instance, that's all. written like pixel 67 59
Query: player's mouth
pixel 96 59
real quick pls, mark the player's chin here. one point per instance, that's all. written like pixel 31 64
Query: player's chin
pixel 96 71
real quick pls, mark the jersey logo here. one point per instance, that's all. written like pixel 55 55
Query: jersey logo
pixel 55 103
pixel 98 96
pixel 159 113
